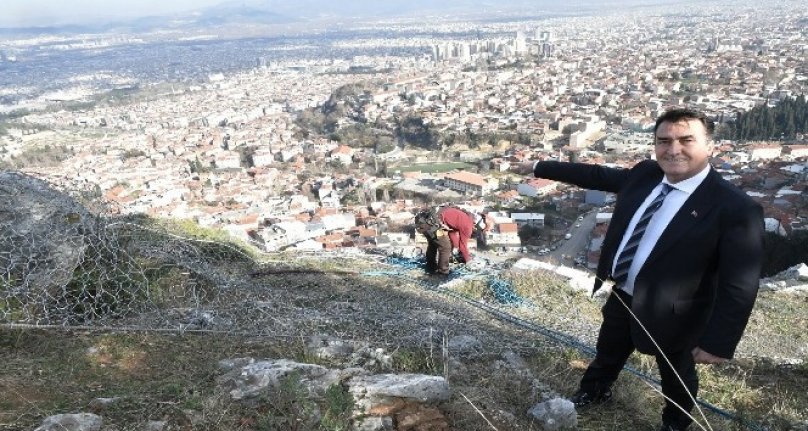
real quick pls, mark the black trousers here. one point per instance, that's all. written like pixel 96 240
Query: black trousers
pixel 440 247
pixel 615 346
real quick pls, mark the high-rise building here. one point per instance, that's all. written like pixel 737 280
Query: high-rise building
pixel 519 44
pixel 465 52
pixel 542 35
pixel 442 52
pixel 547 49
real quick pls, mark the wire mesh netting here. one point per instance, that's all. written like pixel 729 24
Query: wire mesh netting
pixel 70 258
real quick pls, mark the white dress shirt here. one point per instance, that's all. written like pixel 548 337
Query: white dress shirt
pixel 670 206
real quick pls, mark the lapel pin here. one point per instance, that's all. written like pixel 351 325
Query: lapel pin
pixel 694 213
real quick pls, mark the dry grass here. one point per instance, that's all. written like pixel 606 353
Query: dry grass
pixel 163 376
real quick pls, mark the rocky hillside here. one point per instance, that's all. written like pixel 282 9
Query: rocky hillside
pixel 126 323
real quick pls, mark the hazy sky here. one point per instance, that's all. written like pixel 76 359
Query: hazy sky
pixel 18 13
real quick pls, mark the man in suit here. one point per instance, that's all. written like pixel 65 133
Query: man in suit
pixel 684 250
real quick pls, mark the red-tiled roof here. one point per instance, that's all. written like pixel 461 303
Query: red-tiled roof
pixel 467 177
pixel 508 227
pixel 540 183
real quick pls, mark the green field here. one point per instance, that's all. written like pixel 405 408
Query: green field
pixel 432 168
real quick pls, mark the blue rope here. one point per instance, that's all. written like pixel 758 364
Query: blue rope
pixel 504 294
pixel 501 290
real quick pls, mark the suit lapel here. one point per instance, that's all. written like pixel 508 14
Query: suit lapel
pixel 692 212
pixel 632 200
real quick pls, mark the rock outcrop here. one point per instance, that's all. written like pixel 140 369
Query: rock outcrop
pixel 247 377
pixel 43 231
pixel 406 400
pixel 789 280
pixel 555 414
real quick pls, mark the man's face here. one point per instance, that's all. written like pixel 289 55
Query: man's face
pixel 682 149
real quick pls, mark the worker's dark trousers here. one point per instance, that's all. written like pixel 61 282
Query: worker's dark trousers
pixel 440 247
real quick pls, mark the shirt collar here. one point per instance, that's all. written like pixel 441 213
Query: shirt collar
pixel 689 185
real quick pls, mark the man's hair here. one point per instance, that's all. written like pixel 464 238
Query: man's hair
pixel 684 114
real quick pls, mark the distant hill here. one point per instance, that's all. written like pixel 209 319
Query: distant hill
pixel 307 9
pixel 214 17
pixel 268 12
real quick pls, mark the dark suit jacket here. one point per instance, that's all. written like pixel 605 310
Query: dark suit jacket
pixel 699 283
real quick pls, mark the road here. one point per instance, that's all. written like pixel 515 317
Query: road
pixel 578 241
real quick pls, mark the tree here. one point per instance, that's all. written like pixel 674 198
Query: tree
pixel 529 234
pixel 762 122
pixel 414 131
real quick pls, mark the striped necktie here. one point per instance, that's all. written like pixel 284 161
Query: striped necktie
pixel 620 274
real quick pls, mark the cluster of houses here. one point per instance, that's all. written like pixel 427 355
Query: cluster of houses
pixel 778 182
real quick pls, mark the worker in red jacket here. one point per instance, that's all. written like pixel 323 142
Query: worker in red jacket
pixel 452 230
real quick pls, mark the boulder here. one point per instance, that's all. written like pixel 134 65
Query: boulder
pixel 386 394
pixel 247 377
pixel 797 272
pixel 352 353
pixel 382 402
pixel 372 358
pixel 72 422
pixel 555 414
pixel 792 279
pixel 325 347
pixel 251 379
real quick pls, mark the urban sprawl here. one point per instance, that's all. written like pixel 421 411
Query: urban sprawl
pixel 230 151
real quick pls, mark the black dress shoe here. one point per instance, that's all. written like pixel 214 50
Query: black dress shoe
pixel 583 398
pixel 669 427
